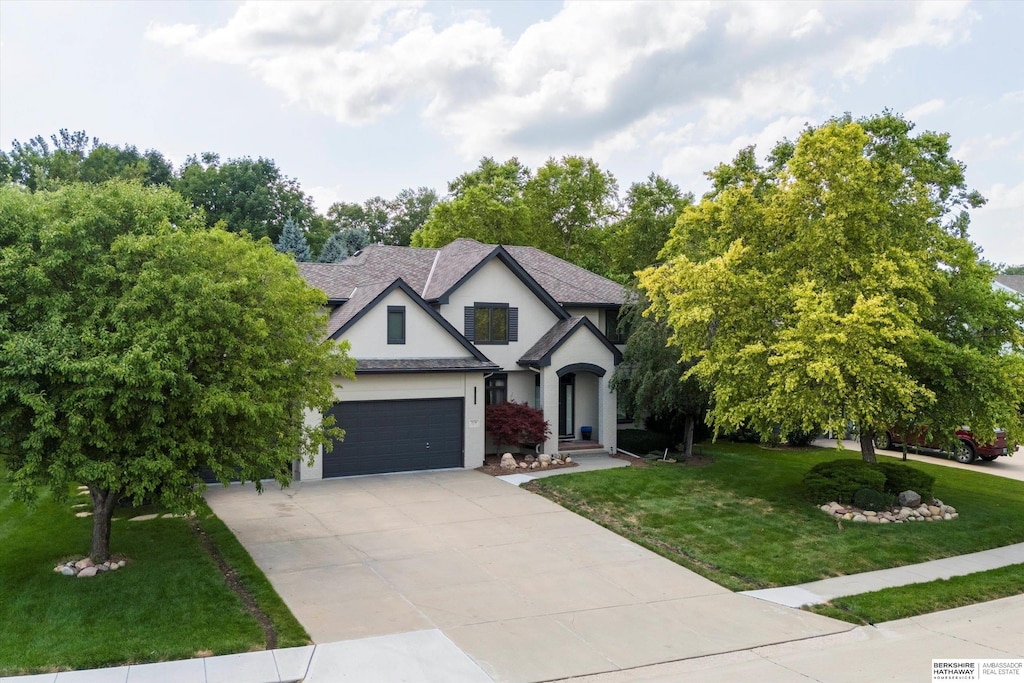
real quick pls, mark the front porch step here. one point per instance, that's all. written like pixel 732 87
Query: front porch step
pixel 580 446
pixel 583 452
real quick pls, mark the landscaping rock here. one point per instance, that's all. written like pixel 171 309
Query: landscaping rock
pixel 529 459
pixel 534 465
pixel 873 519
pixel 860 518
pixel 87 572
pixel 508 462
pixel 910 499
pixel 67 571
pixel 114 566
pixel 568 459
pixel 870 513
pixel 923 511
pixel 545 459
pixel 83 563
pixel 934 511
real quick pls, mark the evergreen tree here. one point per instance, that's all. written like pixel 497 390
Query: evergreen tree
pixel 293 241
pixel 334 249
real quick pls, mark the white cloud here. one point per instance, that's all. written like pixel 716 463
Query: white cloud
pixel 925 108
pixel 175 34
pixel 1001 196
pixel 983 147
pixel 594 76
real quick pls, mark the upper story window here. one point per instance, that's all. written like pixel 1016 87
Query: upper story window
pixel 492 323
pixel 396 324
pixel 611 326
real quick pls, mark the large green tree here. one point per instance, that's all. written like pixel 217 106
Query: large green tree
pixel 650 211
pixel 574 198
pixel 244 195
pixel 486 204
pixel 838 283
pixel 652 384
pixel 138 347
pixel 74 156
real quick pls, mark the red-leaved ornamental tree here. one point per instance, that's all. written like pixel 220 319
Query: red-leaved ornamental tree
pixel 515 424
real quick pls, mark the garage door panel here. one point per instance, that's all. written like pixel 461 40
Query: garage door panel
pixel 395 436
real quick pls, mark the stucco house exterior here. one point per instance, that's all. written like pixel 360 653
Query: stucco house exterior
pixel 439 333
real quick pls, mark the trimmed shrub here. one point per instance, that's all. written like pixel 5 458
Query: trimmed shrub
pixel 801 439
pixel 641 441
pixel 870 499
pixel 900 478
pixel 839 480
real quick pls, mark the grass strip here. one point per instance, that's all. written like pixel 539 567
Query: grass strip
pixel 903 602
pixel 290 632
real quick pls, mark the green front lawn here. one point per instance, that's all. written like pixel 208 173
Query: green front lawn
pixel 743 523
pixel 170 602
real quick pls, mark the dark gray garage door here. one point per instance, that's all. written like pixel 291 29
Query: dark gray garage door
pixel 396 436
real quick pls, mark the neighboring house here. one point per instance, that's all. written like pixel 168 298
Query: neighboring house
pixel 439 333
pixel 1014 283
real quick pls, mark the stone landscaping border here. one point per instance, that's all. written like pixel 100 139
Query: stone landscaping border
pixel 85 568
pixel 936 512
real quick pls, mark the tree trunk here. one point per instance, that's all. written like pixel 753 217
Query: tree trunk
pixel 688 437
pixel 103 504
pixel 867 445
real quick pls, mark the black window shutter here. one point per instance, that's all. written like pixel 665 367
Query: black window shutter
pixel 513 324
pixel 470 323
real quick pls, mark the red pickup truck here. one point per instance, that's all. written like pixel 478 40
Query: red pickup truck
pixel 967 449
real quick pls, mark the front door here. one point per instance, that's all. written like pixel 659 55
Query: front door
pixel 566 408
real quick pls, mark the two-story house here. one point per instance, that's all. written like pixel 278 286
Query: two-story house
pixel 440 333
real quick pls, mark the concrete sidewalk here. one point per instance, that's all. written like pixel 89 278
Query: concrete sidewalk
pixel 896 651
pixel 818 592
pixel 419 656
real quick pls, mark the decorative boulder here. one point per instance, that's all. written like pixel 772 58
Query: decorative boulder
pixel 508 462
pixel 544 459
pixel 523 465
pixel 910 499
pixel 534 465
pixel 529 459
pixel 568 459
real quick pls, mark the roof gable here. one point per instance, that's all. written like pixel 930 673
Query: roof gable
pixel 540 353
pixel 1014 282
pixel 499 254
pixel 366 297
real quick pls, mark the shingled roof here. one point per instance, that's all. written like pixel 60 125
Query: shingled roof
pixel 540 353
pixel 432 273
pixel 1014 282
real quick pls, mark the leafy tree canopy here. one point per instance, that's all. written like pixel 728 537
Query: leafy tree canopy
pixel 486 204
pixel 385 221
pixel 651 383
pixel 74 156
pixel 838 283
pixel 244 195
pixel 138 347
pixel 650 212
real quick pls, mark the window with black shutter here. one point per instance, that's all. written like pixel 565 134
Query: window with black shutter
pixel 491 323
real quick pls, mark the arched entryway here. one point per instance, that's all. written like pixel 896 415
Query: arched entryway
pixel 579 401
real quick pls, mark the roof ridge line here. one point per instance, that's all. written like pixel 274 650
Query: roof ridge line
pixel 430 275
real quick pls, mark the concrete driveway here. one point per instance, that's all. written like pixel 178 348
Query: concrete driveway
pixel 529 590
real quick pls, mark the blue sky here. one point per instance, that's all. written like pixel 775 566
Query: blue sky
pixel 356 100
